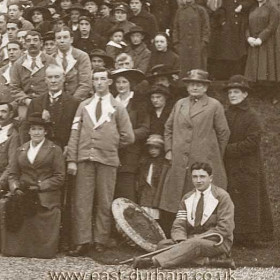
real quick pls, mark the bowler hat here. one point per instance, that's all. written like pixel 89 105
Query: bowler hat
pixel 133 75
pixel 109 61
pixel 160 89
pixel 36 119
pixel 155 140
pixel 135 29
pixel 161 70
pixel 45 12
pixel 197 75
pixel 237 81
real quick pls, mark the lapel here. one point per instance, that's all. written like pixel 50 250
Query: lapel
pixel 185 109
pixel 42 154
pixel 71 61
pixel 6 73
pixel 199 106
pixel 39 65
pixel 189 205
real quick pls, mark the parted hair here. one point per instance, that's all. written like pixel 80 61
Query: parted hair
pixel 202 165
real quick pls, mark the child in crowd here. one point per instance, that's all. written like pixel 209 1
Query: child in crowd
pixel 149 175
pixel 116 45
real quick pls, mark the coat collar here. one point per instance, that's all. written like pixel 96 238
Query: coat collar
pixel 40 65
pixel 71 59
pixel 244 106
pixel 199 106
pixel 211 205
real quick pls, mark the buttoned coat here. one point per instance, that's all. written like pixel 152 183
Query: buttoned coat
pixel 47 172
pixel 100 143
pixel 78 78
pixel 191 32
pixel 218 217
pixel 24 84
pixel 199 134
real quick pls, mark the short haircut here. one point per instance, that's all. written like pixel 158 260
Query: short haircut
pixel 20 7
pixel 202 165
pixel 102 69
pixel 15 21
pixel 123 57
pixel 34 33
pixel 63 28
pixel 54 66
pixel 10 107
pixel 15 42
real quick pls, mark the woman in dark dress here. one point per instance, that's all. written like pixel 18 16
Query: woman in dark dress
pixel 36 177
pixel 246 180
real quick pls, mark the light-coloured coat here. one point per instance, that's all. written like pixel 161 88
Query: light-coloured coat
pixel 197 135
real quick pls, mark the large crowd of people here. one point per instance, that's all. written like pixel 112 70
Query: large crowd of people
pixel 101 99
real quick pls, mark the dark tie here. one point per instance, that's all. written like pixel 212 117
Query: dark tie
pixel 33 64
pixel 64 62
pixel 98 110
pixel 199 211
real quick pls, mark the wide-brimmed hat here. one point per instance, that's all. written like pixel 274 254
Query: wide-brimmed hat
pixel 133 75
pixel 78 7
pixel 155 140
pixel 237 81
pixel 45 12
pixel 36 119
pixel 109 61
pixel 160 89
pixel 197 75
pixel 161 70
pixel 121 6
pixel 135 29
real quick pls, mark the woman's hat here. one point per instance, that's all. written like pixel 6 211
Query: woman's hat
pixel 109 61
pixel 83 2
pixel 107 3
pixel 160 89
pixel 197 75
pixel 155 140
pixel 45 12
pixel 161 70
pixel 133 75
pixel 135 29
pixel 238 81
pixel 36 119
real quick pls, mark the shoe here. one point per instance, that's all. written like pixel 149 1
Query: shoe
pixel 99 248
pixel 225 263
pixel 80 250
pixel 142 263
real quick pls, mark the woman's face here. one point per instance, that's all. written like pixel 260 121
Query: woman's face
pixel 236 96
pixel 135 6
pixel 122 85
pixel 158 100
pixel 161 43
pixel 37 17
pixel 104 11
pixel 120 16
pixel 37 133
pixel 91 7
pixel 65 4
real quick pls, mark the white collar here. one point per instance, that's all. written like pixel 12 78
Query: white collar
pixel 117 45
pixel 68 53
pixel 4 132
pixel 38 146
pixel 55 95
pixel 125 101
pixel 37 58
pixel 205 193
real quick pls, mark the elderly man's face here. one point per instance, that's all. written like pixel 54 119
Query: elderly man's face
pixel 54 79
pixel 201 179
pixel 197 89
pixel 236 96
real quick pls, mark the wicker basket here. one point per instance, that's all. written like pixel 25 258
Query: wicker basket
pixel 130 229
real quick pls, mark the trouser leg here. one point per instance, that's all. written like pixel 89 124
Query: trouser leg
pixel 126 186
pixel 187 251
pixel 105 188
pixel 82 203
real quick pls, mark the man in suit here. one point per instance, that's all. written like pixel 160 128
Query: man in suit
pixel 76 65
pixel 203 226
pixel 101 126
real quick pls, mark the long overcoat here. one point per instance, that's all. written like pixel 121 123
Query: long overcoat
pixel 191 31
pixel 246 180
pixel 263 63
pixel 199 134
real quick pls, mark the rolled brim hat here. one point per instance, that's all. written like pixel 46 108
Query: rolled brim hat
pixel 36 119
pixel 161 70
pixel 197 75
pixel 135 29
pixel 83 2
pixel 133 75
pixel 238 81
pixel 155 140
pixel 45 12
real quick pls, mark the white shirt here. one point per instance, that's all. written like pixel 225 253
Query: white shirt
pixel 197 197
pixel 4 133
pixel 55 95
pixel 33 151
pixel 7 74
pixel 125 101
pixel 38 61
pixel 150 174
pixel 68 55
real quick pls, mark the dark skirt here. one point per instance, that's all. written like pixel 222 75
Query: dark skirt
pixel 37 237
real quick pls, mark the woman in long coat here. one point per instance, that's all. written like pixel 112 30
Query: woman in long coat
pixel 246 180
pixel 262 63
pixel 36 172
pixel 136 108
pixel 191 31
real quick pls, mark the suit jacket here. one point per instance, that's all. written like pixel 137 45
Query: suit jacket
pixel 218 217
pixel 99 142
pixel 47 172
pixel 24 84
pixel 78 80
pixel 64 117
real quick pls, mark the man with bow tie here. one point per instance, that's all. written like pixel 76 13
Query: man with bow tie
pixel 101 126
pixel 76 65
pixel 203 226
pixel 28 73
pixel 196 129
